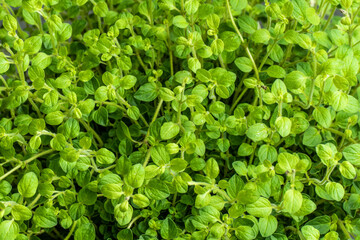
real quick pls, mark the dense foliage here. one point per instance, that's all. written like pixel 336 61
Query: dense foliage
pixel 179 119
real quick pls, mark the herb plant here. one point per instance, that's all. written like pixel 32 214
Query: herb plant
pixel 179 119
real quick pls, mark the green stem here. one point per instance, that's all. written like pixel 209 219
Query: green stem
pixel 154 117
pixel 10 172
pixel 237 100
pixel 123 101
pixel 147 157
pixel 5 83
pixel 71 231
pixel 242 40
pixel 344 230
pixel 267 55
pixel 133 221
pixel 174 199
pixel 170 51
pixel 38 155
pixel 26 162
pixel 34 201
pixel 330 17
pixel 89 129
pixel 340 134
pixel 180 103
pixel 37 110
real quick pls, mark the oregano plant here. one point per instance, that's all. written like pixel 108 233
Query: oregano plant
pixel 179 119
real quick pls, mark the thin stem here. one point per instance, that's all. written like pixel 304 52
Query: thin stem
pixel 237 100
pixel 170 51
pixel 89 129
pixel 343 229
pixel 340 134
pixel 38 155
pixel 37 110
pixel 180 103
pixel 147 157
pixel 267 55
pixel 133 221
pixel 71 231
pixel 123 101
pixel 140 60
pixel 154 117
pixel 10 172
pixel 330 17
pixel 242 40
pixel 174 199
pixel 34 201
pixel 26 162
pixel 7 86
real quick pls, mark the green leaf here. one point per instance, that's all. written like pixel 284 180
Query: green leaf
pixel 135 178
pixel 85 231
pixel 147 92
pixel 310 232
pixel 257 132
pixel 101 116
pixel 238 5
pixel 45 217
pixel 180 22
pixel 159 155
pixel 168 229
pixel 295 80
pixel 212 168
pixel 292 201
pixel 28 185
pixel 335 190
pixel 347 170
pixel 247 24
pixel 21 213
pixel 100 9
pixel 104 157
pixel 352 154
pixel 267 225
pixel 123 213
pixel 9 230
pixel 312 16
pixel 156 190
pixel 322 116
pixel 169 130
pixel 261 208
pixel 283 126
pixel 287 161
pixel 4 65
pixel 54 118
pixel 261 36
pixel 244 64
pixel 128 81
pixel 276 71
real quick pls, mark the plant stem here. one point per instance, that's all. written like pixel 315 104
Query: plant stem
pixel 237 100
pixel 242 41
pixel 133 221
pixel 10 172
pixel 344 230
pixel 267 55
pixel 38 155
pixel 147 157
pixel 340 134
pixel 89 129
pixel 34 201
pixel 330 17
pixel 71 231
pixel 26 162
pixel 154 117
